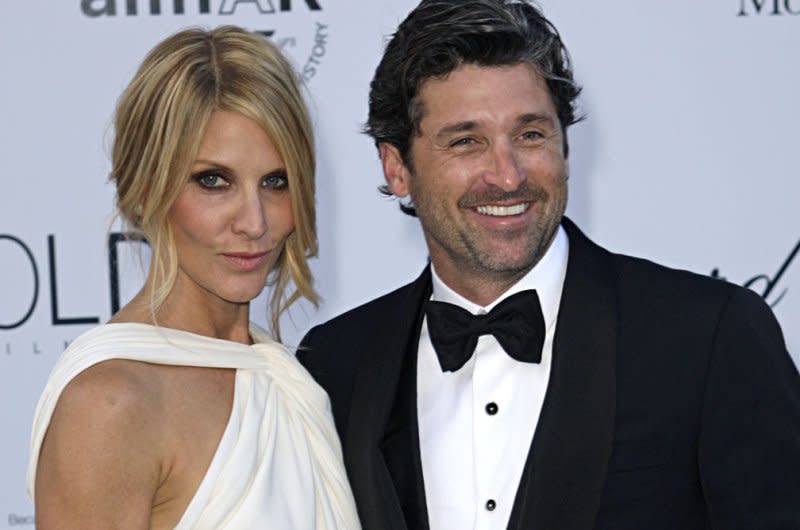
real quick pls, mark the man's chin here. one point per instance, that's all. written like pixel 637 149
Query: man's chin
pixel 507 264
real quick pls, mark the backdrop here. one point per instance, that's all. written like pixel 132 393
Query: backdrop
pixel 688 156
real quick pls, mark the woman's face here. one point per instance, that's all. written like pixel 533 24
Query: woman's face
pixel 233 216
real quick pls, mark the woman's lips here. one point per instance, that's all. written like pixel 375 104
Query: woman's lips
pixel 246 261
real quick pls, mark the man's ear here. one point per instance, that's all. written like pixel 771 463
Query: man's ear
pixel 394 169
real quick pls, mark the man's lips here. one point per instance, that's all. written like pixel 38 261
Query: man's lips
pixel 496 210
pixel 495 202
pixel 246 261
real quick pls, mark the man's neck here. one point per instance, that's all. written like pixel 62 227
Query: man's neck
pixel 480 289
pixel 482 286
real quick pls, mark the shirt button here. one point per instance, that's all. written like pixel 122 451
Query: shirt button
pixel 491 408
pixel 491 505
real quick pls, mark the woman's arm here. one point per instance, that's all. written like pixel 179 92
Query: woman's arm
pixel 99 466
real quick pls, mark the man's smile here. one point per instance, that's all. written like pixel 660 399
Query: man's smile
pixel 503 211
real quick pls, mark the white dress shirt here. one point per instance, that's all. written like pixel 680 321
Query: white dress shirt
pixel 476 424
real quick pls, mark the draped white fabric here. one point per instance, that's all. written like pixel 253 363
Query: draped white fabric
pixel 279 462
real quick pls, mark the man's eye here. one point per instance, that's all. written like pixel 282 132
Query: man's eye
pixel 210 180
pixel 463 141
pixel 276 181
pixel 532 135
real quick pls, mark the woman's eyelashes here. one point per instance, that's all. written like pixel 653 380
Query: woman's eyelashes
pixel 217 180
pixel 211 179
pixel 276 180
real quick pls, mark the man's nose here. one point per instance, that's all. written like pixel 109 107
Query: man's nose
pixel 505 171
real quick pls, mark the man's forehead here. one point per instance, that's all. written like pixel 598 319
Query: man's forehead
pixel 472 94
pixel 479 70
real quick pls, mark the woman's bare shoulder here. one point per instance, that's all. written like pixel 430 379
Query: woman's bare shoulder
pixel 100 457
pixel 113 394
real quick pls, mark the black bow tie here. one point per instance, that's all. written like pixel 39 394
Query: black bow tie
pixel 516 322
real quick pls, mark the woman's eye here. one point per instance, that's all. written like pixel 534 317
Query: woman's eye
pixel 276 181
pixel 211 180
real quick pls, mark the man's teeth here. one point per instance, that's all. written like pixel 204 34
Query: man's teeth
pixel 502 211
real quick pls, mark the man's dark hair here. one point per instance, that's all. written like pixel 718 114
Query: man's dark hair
pixel 441 35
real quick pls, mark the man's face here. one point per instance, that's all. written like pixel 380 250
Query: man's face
pixel 488 175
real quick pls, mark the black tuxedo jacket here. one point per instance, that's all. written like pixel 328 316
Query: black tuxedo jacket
pixel 672 404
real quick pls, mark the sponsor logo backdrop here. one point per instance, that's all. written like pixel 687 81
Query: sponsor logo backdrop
pixel 688 156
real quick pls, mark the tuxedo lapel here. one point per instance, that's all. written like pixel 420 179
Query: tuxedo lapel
pixel 382 436
pixel 566 467
pixel 565 470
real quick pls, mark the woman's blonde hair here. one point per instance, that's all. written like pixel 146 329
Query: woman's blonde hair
pixel 159 124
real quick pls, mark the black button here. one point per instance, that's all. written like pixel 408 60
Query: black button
pixel 491 408
pixel 491 505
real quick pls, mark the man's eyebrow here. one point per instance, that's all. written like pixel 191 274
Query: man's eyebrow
pixel 533 117
pixel 458 127
pixel 469 125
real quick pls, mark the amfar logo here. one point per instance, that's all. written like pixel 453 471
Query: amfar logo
pixel 310 62
pixel 97 8
pixel 768 7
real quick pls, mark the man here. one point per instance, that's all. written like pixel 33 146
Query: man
pixel 593 390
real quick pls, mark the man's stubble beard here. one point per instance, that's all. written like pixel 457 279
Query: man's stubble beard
pixel 472 255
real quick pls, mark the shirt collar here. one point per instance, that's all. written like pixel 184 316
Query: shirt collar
pixel 547 277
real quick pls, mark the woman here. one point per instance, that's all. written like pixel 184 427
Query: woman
pixel 178 413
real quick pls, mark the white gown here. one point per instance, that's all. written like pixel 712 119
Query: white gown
pixel 279 461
